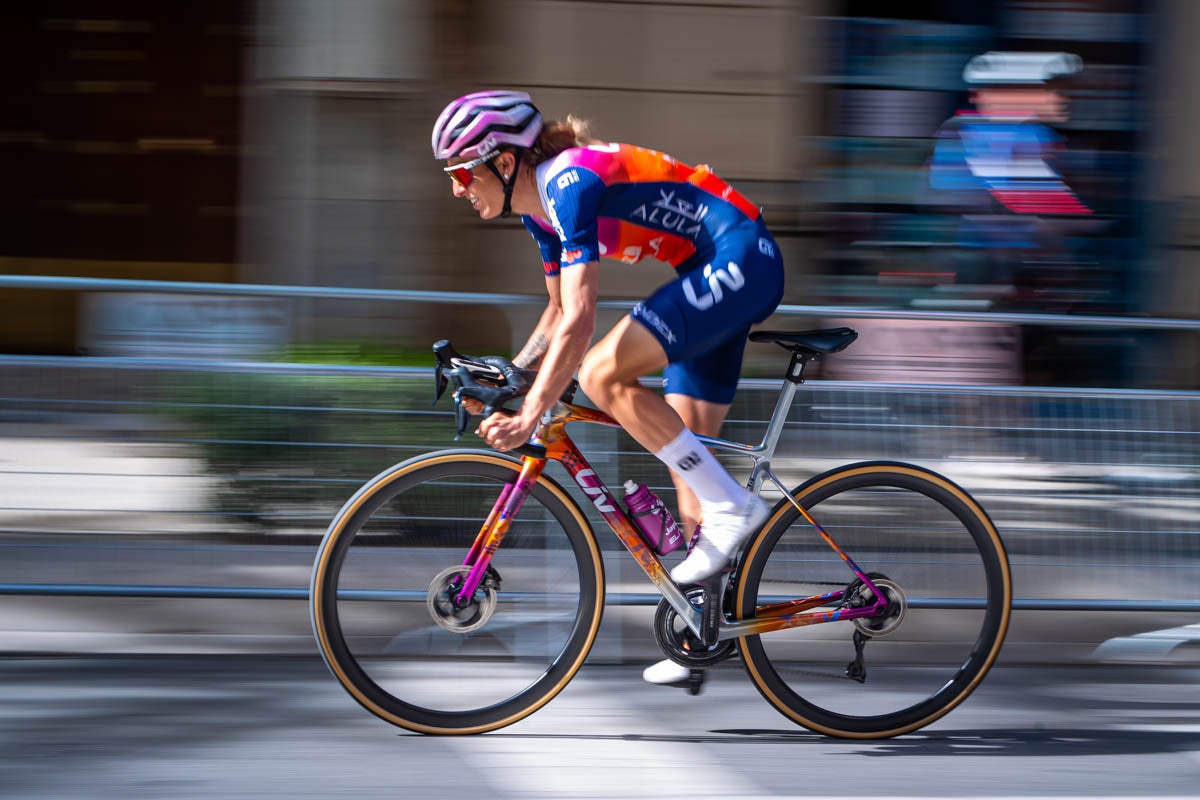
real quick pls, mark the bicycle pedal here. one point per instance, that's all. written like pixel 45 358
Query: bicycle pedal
pixel 692 683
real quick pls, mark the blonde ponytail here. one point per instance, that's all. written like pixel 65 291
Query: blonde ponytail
pixel 560 135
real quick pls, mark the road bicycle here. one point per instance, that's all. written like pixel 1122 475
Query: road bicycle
pixel 460 591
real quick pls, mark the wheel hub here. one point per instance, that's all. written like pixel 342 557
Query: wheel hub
pixel 859 595
pixel 449 612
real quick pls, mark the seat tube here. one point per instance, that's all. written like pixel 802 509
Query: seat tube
pixel 501 516
pixel 779 415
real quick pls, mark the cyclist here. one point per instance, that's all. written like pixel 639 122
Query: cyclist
pixel 582 199
pixel 1000 163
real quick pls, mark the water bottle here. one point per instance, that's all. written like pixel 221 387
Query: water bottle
pixel 652 518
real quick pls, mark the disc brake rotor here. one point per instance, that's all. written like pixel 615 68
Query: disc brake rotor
pixel 859 595
pixel 443 606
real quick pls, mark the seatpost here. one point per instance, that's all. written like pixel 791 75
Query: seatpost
pixel 793 378
pixel 796 367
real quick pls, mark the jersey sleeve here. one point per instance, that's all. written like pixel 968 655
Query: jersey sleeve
pixel 948 170
pixel 547 242
pixel 572 198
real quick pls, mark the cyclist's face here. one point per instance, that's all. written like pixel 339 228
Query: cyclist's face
pixel 484 190
pixel 1045 104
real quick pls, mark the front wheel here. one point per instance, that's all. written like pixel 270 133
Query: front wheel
pixel 930 548
pixel 383 596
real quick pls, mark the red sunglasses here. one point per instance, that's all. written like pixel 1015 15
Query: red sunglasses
pixel 461 173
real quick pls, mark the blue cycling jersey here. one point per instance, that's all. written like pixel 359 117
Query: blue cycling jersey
pixel 628 203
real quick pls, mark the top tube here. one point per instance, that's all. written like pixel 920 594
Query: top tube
pixel 804 346
pixel 564 413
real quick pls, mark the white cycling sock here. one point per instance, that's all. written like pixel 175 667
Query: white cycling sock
pixel 700 470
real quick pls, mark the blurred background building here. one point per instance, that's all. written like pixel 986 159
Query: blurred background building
pixel 284 142
pixel 234 144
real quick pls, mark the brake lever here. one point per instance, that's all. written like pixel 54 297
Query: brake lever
pixel 493 400
pixel 440 382
pixel 461 417
pixel 449 360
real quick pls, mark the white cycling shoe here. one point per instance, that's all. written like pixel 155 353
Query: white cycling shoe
pixel 666 673
pixel 726 526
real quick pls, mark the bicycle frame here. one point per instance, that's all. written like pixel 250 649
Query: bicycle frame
pixel 552 437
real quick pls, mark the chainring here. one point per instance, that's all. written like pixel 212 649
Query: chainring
pixel 677 640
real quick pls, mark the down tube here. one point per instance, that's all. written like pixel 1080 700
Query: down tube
pixel 610 508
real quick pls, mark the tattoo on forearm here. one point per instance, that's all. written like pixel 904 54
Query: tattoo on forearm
pixel 532 352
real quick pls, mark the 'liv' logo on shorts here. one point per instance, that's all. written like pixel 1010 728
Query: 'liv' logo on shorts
pixel 729 277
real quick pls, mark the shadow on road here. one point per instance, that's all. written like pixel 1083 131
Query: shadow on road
pixel 1007 742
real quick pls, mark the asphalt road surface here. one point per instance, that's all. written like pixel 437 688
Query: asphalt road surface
pixel 271 726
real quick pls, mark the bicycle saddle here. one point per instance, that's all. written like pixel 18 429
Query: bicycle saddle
pixel 811 343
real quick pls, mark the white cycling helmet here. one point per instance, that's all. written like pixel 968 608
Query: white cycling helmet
pixel 1017 69
pixel 477 124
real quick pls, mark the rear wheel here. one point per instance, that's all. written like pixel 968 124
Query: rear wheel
pixel 935 555
pixel 384 586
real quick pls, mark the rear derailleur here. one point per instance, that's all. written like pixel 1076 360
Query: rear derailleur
pixel 859 595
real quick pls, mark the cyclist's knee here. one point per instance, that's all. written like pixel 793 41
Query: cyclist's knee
pixel 595 376
pixel 601 376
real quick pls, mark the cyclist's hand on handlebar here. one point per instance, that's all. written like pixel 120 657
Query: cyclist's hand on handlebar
pixel 505 432
pixel 483 387
pixel 509 381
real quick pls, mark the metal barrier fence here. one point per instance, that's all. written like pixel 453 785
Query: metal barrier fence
pixel 1095 492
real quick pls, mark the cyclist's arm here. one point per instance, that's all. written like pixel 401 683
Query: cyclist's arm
pixel 578 291
pixel 539 341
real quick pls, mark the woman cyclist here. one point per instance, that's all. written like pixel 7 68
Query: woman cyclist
pixel 582 199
